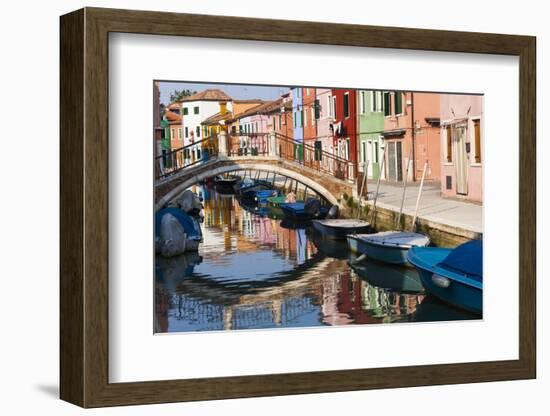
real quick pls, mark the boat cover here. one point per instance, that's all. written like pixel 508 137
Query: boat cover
pixel 344 223
pixel 466 259
pixel 190 225
pixel 396 239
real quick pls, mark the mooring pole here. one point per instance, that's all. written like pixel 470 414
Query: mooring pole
pixel 404 190
pixel 365 174
pixel 413 227
pixel 373 216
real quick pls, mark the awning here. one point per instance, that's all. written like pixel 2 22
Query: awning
pixel 393 133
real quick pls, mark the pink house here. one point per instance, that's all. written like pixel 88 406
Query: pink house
pixel 462 146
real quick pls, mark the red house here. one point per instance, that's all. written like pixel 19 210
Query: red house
pixel 344 128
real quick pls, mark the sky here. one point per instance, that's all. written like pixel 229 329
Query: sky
pixel 235 91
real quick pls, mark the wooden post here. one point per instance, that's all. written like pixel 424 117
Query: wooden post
pixel 404 190
pixel 365 174
pixel 413 226
pixel 373 216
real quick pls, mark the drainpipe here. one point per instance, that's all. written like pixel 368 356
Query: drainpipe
pixel 413 138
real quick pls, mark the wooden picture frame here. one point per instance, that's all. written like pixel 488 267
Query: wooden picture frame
pixel 84 207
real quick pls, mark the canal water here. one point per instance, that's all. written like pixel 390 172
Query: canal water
pixel 255 271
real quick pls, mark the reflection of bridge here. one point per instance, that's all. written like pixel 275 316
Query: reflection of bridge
pixel 317 170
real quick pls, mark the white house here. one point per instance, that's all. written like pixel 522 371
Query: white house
pixel 194 110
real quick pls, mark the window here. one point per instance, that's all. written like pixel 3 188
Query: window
pixel 196 110
pixel 185 111
pixel 346 105
pixel 375 146
pixel 198 130
pixel 280 122
pixel 376 101
pixel 172 134
pixel 477 140
pixel 387 105
pixel 233 130
pixel 317 109
pixel 186 132
pixel 362 102
pixel 363 151
pixel 307 92
pixel 398 102
pixel 333 109
pixel 449 147
pixel 329 100
pixel 318 150
pixel 179 133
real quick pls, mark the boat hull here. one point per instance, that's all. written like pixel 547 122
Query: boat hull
pixel 461 291
pixel 339 233
pixel 392 255
pixel 301 215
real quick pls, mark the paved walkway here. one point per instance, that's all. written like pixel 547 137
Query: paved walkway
pixel 433 207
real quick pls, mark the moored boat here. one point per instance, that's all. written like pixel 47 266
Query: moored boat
pixel 387 246
pixel 453 275
pixel 176 232
pixel 263 194
pixel 226 183
pixel 340 228
pixel 395 278
pixel 304 211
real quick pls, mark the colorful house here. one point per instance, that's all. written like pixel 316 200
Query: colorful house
pixel 297 121
pixel 157 129
pixel 195 109
pixel 175 134
pixel 411 132
pixel 344 129
pixel 370 125
pixel 462 146
pixel 323 97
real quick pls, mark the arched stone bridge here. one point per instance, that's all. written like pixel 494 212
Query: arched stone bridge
pixel 326 185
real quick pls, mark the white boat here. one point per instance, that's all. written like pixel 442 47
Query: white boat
pixel 340 228
pixel 387 246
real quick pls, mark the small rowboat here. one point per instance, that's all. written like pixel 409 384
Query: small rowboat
pixel 387 246
pixel 276 201
pixel 453 275
pixel 263 194
pixel 339 228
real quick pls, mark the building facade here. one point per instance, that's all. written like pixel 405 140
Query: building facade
pixel 411 133
pixel 370 126
pixel 344 129
pixel 462 146
pixel 194 110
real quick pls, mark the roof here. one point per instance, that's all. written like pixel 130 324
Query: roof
pixel 257 101
pixel 174 105
pixel 268 107
pixel 172 117
pixel 216 118
pixel 208 95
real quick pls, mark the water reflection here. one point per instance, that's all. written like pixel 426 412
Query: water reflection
pixel 256 271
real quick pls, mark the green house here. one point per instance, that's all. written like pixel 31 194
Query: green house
pixel 370 125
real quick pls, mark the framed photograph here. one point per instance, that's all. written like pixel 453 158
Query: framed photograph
pixel 254 207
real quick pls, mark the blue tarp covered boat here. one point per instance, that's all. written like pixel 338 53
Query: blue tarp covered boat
pixel 298 211
pixel 190 225
pixel 453 275
pixel 263 194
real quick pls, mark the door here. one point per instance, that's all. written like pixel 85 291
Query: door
pixel 395 164
pixel 461 164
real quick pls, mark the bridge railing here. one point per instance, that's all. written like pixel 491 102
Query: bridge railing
pixel 173 161
pixel 258 144
pixel 315 158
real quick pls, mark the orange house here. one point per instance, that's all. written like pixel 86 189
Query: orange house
pixel 411 132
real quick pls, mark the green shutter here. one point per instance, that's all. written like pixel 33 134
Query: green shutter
pixel 398 102
pixel 387 109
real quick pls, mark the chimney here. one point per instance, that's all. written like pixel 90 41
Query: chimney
pixel 223 108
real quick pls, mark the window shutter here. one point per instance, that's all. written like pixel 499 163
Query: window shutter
pixel 398 102
pixel 317 110
pixel 387 108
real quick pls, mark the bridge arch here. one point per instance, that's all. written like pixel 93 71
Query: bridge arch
pixel 197 175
